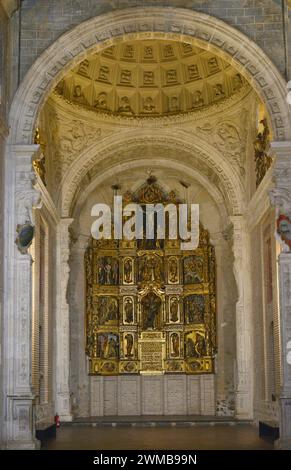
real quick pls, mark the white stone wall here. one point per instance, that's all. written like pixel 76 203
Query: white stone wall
pixel 152 395
pixel 169 394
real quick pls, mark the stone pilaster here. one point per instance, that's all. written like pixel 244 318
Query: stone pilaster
pixel 244 356
pixel 18 397
pixel 281 199
pixel 63 405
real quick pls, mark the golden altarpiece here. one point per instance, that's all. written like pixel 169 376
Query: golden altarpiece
pixel 150 306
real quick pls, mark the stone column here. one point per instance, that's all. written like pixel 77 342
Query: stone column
pixel 244 356
pixel 281 199
pixel 3 136
pixel 18 397
pixel 63 405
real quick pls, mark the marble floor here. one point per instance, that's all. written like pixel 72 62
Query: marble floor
pixel 197 437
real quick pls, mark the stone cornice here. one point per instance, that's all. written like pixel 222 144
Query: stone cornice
pixel 77 111
pixel 47 200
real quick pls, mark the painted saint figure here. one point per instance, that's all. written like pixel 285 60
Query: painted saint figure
pixel 174 306
pixel 128 310
pixel 129 344
pixel 128 271
pixel 175 344
pixel 151 309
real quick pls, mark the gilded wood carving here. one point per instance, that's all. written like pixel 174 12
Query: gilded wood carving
pixel 150 307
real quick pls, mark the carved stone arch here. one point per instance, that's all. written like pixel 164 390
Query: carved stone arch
pixel 148 22
pixel 200 155
pixel 166 163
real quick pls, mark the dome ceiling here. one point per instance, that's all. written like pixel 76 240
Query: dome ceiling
pixel 150 78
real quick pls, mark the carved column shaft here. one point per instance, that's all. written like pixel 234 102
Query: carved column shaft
pixel 244 356
pixel 21 197
pixel 63 407
pixel 281 199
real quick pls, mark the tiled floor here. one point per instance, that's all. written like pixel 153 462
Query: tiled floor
pixel 198 437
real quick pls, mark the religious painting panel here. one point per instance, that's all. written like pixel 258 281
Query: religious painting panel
pixel 150 269
pixel 128 310
pixel 193 269
pixel 107 270
pixel 106 309
pixel 173 270
pixel 174 314
pixel 128 271
pixel 195 308
pixel 175 345
pixel 151 311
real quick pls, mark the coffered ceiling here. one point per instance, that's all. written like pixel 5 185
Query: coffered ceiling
pixel 150 78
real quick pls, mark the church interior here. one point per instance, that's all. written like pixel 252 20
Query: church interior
pixel 160 103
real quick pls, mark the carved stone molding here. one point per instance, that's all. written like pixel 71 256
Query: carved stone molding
pixel 21 197
pixel 285 329
pixel 199 154
pixel 77 112
pixel 148 22
pixel 63 406
pixel 244 382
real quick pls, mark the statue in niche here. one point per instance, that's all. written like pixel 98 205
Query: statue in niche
pixel 150 269
pixel 148 105
pixel 174 104
pixel 129 344
pixel 107 309
pixel 194 306
pixel 263 161
pixel 101 101
pixel 128 310
pixel 198 101
pixel 237 82
pixel 107 270
pixel 83 68
pixel 218 91
pixel 193 269
pixel 128 271
pixel 173 270
pixel 151 307
pixel 125 107
pixel 284 229
pixel 108 345
pixel 174 309
pixel 175 344
pixel 78 94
